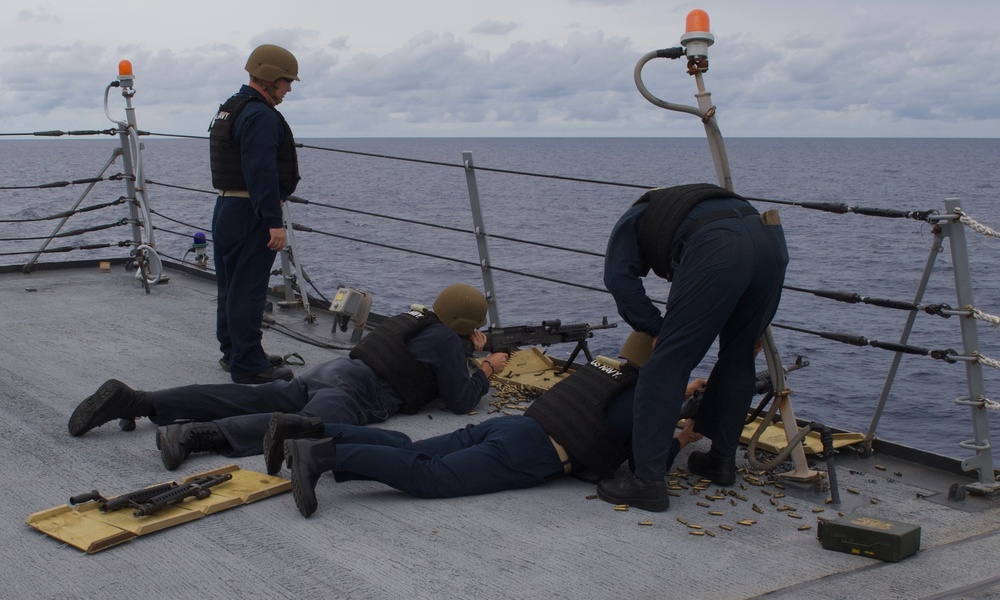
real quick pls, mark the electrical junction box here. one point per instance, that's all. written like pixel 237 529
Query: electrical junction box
pixel 347 302
pixel 868 536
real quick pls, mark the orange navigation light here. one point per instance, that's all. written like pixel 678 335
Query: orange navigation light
pixel 697 20
pixel 125 77
pixel 696 38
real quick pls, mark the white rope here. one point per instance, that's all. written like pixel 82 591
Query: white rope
pixel 990 404
pixel 989 362
pixel 991 319
pixel 977 226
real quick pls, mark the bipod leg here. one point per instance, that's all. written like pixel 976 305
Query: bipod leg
pixel 581 345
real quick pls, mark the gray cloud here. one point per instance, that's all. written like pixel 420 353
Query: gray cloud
pixel 37 15
pixel 870 80
pixel 491 27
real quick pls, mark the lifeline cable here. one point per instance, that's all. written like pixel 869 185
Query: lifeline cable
pixel 471 263
pixel 68 233
pixel 68 213
pixel 300 200
pixel 56 133
pixel 56 184
pixel 486 169
pixel 62 249
pixel 941 310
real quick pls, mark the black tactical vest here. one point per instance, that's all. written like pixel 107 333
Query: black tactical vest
pixel 384 350
pixel 666 210
pixel 572 412
pixel 227 165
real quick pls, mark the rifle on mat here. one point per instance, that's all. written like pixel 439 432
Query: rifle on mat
pixel 150 500
pixel 506 339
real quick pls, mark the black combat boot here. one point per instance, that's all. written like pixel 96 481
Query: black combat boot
pixel 177 441
pixel 720 469
pixel 308 459
pixel 113 400
pixel 287 427
pixel 626 488
pixel 275 360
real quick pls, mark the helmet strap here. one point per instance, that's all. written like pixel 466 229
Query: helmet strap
pixel 267 88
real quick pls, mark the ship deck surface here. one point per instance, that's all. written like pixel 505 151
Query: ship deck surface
pixel 67 330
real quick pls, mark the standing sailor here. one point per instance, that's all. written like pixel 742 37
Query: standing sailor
pixel 254 167
pixel 727 265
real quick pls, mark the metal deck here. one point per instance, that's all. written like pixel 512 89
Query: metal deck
pixel 67 330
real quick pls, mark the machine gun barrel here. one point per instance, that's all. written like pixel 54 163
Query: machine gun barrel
pixel 198 488
pixel 121 501
pixel 505 339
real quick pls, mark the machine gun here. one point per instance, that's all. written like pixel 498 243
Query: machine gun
pixel 506 339
pixel 119 502
pixel 762 385
pixel 197 488
pixel 151 500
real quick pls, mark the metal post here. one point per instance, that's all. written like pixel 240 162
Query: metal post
pixel 480 230
pixel 801 470
pixel 290 259
pixel 129 167
pixel 983 460
pixel 90 186
pixel 800 465
pixel 903 339
pixel 715 143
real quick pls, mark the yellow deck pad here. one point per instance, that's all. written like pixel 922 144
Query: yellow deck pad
pixel 773 438
pixel 85 527
pixel 530 369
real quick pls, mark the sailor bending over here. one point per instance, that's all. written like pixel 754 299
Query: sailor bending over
pixel 727 265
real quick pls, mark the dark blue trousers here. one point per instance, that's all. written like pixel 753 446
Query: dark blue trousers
pixel 727 285
pixel 242 269
pixel 502 453
pixel 343 390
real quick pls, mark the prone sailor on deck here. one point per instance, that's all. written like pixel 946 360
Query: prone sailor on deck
pixel 403 364
pixel 581 426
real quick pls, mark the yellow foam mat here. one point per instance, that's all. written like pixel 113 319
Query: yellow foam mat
pixel 530 369
pixel 85 527
pixel 773 438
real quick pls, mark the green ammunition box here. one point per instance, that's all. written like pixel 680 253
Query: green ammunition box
pixel 873 537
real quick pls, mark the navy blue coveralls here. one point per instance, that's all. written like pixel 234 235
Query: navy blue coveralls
pixel 502 453
pixel 342 390
pixel 240 236
pixel 727 284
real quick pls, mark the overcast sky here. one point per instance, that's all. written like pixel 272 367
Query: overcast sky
pixel 401 68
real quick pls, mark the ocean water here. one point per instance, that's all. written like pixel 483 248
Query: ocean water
pixel 873 257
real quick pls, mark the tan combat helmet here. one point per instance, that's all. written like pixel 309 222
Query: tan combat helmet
pixel 637 348
pixel 271 63
pixel 461 307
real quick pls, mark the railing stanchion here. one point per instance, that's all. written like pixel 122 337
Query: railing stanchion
pixel 983 460
pixel 480 231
